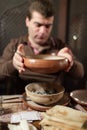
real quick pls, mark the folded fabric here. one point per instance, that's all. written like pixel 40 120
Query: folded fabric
pixel 23 125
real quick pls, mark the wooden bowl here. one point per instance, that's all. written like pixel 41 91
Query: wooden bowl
pixel 44 93
pixel 79 96
pixel 46 63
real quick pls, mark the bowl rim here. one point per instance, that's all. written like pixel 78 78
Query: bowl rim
pixel 41 57
pixel 75 97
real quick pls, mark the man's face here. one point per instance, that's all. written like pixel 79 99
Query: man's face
pixel 39 28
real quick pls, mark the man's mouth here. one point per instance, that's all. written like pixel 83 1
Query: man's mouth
pixel 41 37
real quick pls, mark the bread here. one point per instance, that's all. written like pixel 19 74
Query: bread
pixel 67 112
pixel 50 128
pixel 64 118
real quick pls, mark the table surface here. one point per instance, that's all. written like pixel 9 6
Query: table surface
pixel 12 106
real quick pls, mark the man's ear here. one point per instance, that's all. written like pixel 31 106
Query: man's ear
pixel 27 21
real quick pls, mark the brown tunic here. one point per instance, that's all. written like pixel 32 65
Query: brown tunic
pixel 7 69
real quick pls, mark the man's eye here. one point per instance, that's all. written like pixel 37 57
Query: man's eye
pixel 47 26
pixel 38 25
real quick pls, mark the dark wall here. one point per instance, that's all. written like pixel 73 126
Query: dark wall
pixel 77 33
pixel 12 20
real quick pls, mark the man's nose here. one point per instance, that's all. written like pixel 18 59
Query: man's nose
pixel 43 29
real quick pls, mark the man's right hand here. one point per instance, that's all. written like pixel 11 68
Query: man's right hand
pixel 18 61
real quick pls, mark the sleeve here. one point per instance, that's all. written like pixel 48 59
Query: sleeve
pixel 6 65
pixel 77 70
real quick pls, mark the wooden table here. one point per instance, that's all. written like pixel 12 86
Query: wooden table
pixel 10 107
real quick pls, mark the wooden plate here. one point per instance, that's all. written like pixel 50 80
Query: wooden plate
pixel 79 96
pixel 64 101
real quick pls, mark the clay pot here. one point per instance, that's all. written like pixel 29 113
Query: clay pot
pixel 46 63
pixel 44 93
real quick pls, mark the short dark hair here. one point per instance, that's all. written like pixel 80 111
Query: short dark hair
pixel 44 7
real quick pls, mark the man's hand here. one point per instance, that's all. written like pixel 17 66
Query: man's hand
pixel 18 61
pixel 66 52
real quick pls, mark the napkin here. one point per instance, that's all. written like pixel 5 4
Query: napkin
pixel 23 125
pixel 25 115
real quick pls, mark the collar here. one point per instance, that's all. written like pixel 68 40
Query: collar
pixel 39 48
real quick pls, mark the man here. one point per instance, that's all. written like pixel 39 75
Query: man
pixel 39 22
